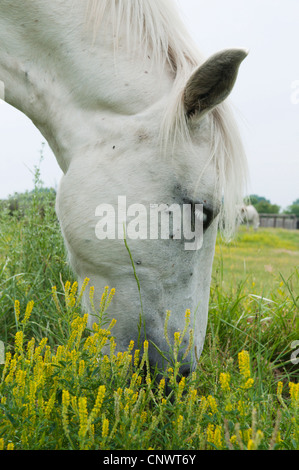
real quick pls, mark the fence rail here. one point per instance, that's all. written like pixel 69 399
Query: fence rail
pixel 287 221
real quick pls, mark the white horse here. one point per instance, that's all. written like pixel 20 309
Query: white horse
pixel 130 109
pixel 251 216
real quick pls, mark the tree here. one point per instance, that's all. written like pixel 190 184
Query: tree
pixel 262 205
pixel 293 209
pixel 265 207
pixel 255 199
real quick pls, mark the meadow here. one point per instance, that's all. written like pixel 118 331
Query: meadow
pixel 55 393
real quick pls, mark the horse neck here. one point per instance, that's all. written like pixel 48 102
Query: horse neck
pixel 61 79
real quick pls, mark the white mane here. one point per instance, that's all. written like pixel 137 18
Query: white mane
pixel 156 26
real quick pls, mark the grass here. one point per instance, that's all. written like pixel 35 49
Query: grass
pixel 56 394
pixel 263 258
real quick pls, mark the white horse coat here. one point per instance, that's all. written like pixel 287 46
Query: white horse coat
pixel 251 216
pixel 130 109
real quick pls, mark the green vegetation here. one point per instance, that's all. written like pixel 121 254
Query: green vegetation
pixel 56 394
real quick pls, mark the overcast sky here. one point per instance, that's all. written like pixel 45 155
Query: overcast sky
pixel 266 97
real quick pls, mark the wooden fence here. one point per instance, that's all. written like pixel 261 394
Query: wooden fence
pixel 287 221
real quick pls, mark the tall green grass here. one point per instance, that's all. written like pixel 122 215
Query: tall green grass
pixel 55 393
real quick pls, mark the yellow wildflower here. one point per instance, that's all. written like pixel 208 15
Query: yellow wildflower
pixel 19 337
pixel 177 338
pixel 249 383
pixel 103 299
pixel 65 405
pixel 17 309
pixel 213 404
pixel 10 446
pixel 28 311
pixel 81 368
pixel 162 386
pixel 294 392
pixel 180 422
pixel 210 433
pixel 1 443
pixel 244 364
pixel 50 405
pixel 279 389
pixel 82 290
pixel 98 403
pixel 218 437
pixel 225 381
pixel 105 428
pixel 83 416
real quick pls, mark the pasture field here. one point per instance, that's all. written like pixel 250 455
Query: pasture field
pixel 56 394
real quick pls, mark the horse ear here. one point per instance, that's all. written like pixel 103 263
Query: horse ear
pixel 212 82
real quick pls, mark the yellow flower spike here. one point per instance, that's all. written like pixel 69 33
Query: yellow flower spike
pixel 177 338
pixel 110 297
pixel 213 404
pixel 30 349
pixel 279 389
pixel 218 437
pixel 251 445
pixel 19 338
pixel 67 287
pixel 91 298
pixel 50 405
pixel 74 289
pixel 10 446
pixel 1 443
pixel 83 417
pixel 6 364
pixel 162 386
pixel 103 299
pixel 74 403
pixel 82 290
pixel 55 299
pixel 136 357
pixel 180 422
pixel 81 368
pixel 98 403
pixel 17 310
pixel 28 311
pixel 112 324
pixel 191 342
pixel 225 381
pixel 249 383
pixel 105 428
pixel 12 368
pixel 187 322
pixel 210 433
pixel 244 364
pixel 65 405
pixel 181 388
pixel 294 393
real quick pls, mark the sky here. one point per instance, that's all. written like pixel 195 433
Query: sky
pixel 265 98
